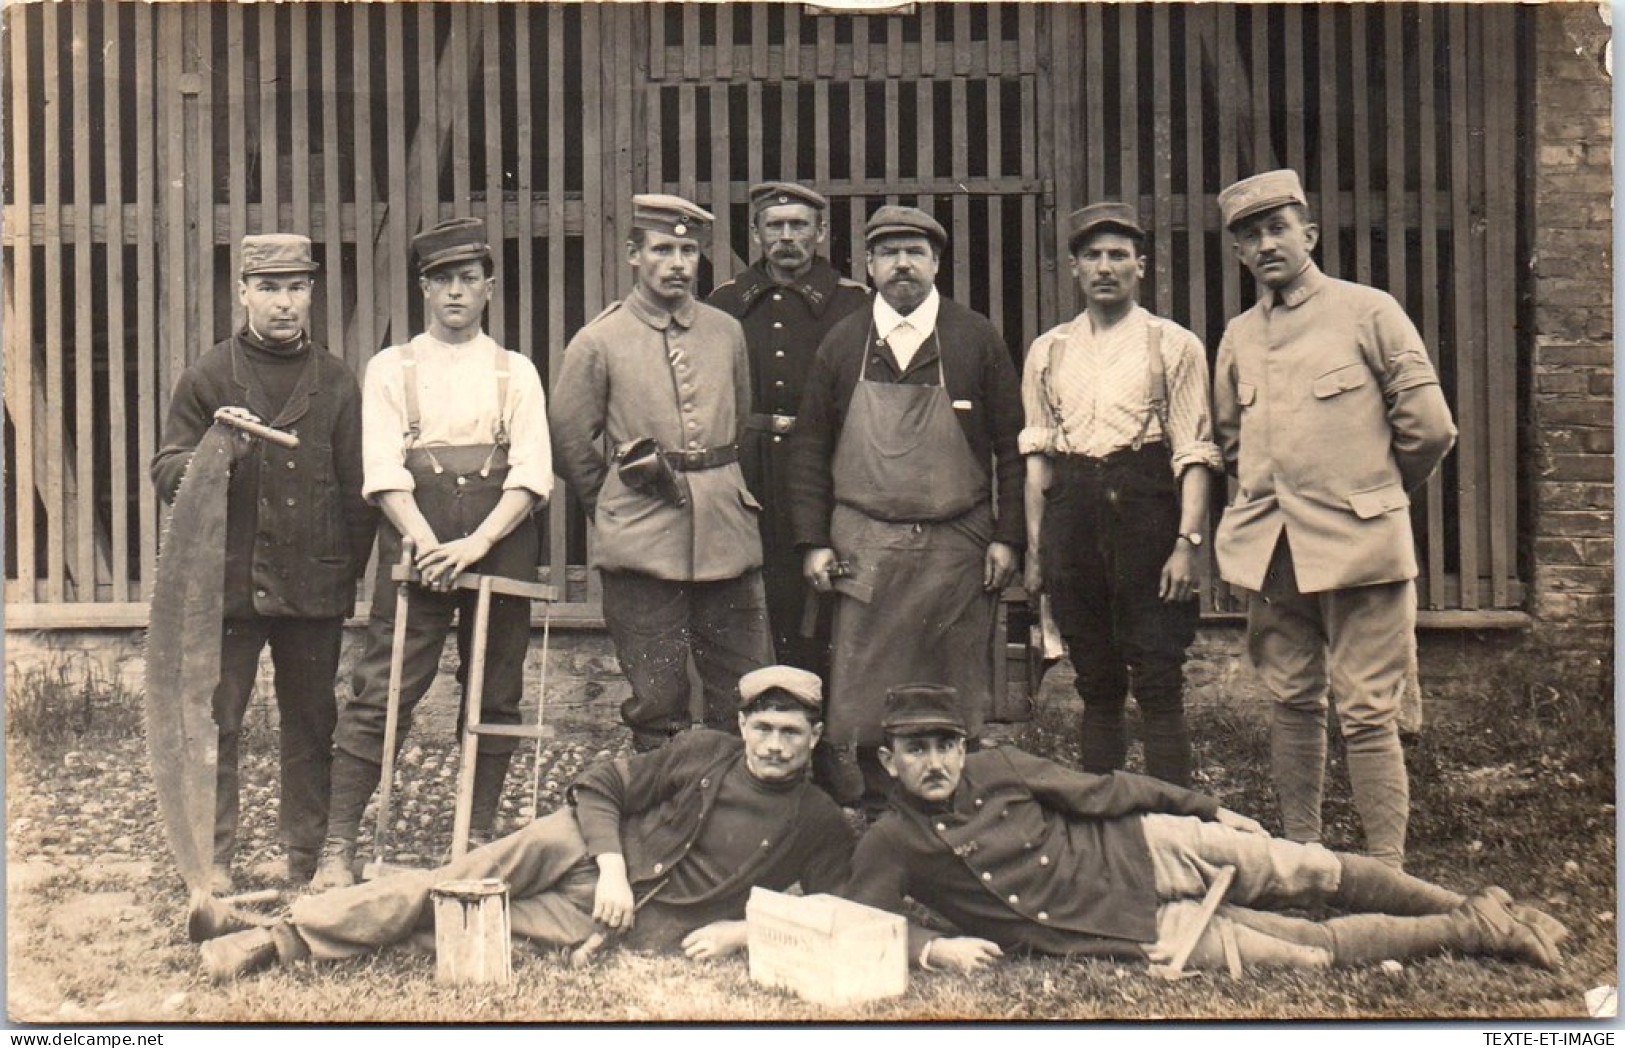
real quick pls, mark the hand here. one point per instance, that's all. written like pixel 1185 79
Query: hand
pixel 442 564
pixel 242 441
pixel 999 567
pixel 963 954
pixel 612 902
pixel 1178 582
pixel 714 941
pixel 1237 821
pixel 816 566
pixel 1032 576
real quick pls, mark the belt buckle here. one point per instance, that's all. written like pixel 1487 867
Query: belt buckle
pixel 783 424
pixel 692 459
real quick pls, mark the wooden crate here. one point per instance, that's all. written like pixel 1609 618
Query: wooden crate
pixel 826 949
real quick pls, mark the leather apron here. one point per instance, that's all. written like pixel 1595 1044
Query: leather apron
pixel 912 521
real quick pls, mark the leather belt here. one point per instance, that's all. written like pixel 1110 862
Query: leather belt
pixel 706 458
pixel 779 424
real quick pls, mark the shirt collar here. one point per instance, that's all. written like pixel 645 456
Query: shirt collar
pixel 646 309
pixel 922 320
pixel 1295 294
pixel 1136 318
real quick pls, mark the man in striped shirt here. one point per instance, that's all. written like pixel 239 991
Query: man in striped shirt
pixel 1118 442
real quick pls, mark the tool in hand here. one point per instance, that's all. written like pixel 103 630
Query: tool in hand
pixel 843 577
pixel 1174 970
pixel 582 955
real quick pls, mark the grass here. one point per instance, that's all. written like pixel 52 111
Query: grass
pixel 1517 790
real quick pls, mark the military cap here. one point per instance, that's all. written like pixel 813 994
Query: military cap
pixel 1259 193
pixel 454 240
pixel 1107 214
pixel 922 709
pixel 764 195
pixel 276 253
pixel 804 687
pixel 672 215
pixel 894 220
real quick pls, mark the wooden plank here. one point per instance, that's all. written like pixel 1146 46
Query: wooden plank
pixel 495 192
pixel 595 245
pixel 456 108
pixel 1469 351
pixel 1094 121
pixel 299 123
pixel 1060 158
pixel 925 94
pixel 1030 259
pixel 19 318
pixel 789 130
pixel 856 133
pixel 524 175
pixel 995 39
pixel 146 293
pixel 893 119
pixel 553 18
pixel 1500 292
pixel 84 488
pixel 1196 207
pixel 270 150
pixel 1128 108
pixel 753 118
pixel 928 41
pixel 1331 232
pixel 201 189
pixel 332 276
pixel 894 48
pixel 1222 25
pixel 369 297
pixel 860 46
pixel 722 255
pixel 725 41
pixel 691 41
pixel 1295 108
pixel 427 137
pixel 1162 161
pixel 962 41
pixel 112 129
pixel 824 57
pixel 1361 91
pixel 397 262
pixel 993 100
pixel 821 142
pixel 1027 38
pixel 1428 181
pixel 1393 64
pixel 758 41
pixel 1263 150
pixel 687 129
pixel 657 41
pixel 960 237
pixel 792 41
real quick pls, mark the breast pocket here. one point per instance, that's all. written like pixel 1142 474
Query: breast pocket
pixel 1340 380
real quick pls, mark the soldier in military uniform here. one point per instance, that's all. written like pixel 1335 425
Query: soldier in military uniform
pixel 787 302
pixel 1023 855
pixel 664 381
pixel 1329 412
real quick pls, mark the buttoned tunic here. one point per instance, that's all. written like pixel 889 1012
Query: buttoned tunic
pixel 1026 852
pixel 1327 405
pixel 682 378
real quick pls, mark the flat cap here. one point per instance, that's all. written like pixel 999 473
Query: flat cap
pixel 800 685
pixel 894 220
pixel 276 253
pixel 454 240
pixel 1259 193
pixel 922 709
pixel 672 215
pixel 1108 215
pixel 764 195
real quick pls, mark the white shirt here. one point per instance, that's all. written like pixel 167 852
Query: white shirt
pixel 905 335
pixel 457 405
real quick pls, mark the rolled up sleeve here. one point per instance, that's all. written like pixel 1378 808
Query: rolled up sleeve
pixel 530 454
pixel 383 425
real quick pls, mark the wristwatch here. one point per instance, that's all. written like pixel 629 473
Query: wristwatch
pixel 1193 537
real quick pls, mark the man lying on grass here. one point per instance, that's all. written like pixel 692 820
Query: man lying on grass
pixel 700 821
pixel 1022 854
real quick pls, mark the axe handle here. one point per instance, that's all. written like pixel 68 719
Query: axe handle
pixel 809 615
pixel 255 429
pixel 1210 906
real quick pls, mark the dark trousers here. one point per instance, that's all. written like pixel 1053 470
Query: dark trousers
pixel 305 658
pixel 657 624
pixel 1109 526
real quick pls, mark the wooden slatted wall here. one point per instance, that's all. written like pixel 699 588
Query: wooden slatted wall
pixel 144 140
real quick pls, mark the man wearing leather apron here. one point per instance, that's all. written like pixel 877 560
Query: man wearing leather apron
pixel 648 410
pixel 457 456
pixel 912 409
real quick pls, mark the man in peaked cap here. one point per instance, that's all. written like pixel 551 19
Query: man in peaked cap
pixel 787 301
pixel 1023 855
pixel 1119 445
pixel 458 459
pixel 911 412
pixel 297 533
pixel 666 380
pixel 701 821
pixel 1329 412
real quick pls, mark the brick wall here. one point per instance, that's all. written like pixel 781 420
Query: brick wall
pixel 1570 431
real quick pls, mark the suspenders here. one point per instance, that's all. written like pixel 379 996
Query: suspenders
pixel 414 412
pixel 1156 385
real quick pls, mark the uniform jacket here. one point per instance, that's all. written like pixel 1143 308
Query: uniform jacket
pixel 620 382
pixel 979 374
pixel 652 807
pixel 297 531
pixel 1328 409
pixel 783 326
pixel 1026 853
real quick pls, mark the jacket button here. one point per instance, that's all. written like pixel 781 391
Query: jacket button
pixel 779 353
pixel 767 844
pixel 694 444
pixel 778 297
pixel 293 502
pixel 659 866
pixel 461 481
pixel 290 464
pixel 1014 899
pixel 778 439
pixel 942 828
pixel 693 424
pixel 776 325
pixel 987 875
pixel 705 784
pixel 1043 915
pixel 1043 860
pixel 260 592
pixel 977 802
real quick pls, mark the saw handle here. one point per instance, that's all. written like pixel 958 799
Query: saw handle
pixel 257 429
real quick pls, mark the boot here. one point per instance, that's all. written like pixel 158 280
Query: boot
pixel 1164 737
pixel 1105 738
pixel 1487 926
pixel 1371 886
pixel 1381 791
pixel 336 869
pixel 1298 765
pixel 241 953
pixel 354 780
pixel 1544 924
pixel 490 774
pixel 209 918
